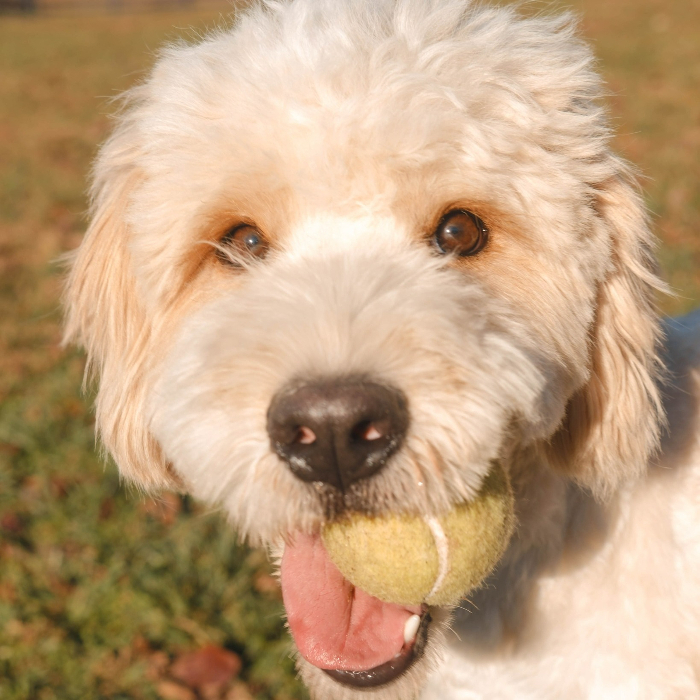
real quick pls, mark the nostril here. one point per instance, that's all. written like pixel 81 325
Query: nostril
pixel 369 431
pixel 305 436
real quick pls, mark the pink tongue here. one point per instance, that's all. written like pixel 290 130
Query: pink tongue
pixel 335 625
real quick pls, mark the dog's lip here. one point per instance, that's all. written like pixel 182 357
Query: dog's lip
pixel 391 670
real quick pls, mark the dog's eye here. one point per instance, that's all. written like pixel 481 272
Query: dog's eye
pixel 461 233
pixel 242 241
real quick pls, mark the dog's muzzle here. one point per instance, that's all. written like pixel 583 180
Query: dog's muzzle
pixel 337 431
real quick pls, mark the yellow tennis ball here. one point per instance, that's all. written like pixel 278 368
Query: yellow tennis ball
pixel 412 560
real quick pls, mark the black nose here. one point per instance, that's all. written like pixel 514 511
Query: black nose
pixel 337 431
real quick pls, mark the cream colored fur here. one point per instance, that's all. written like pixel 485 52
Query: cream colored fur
pixel 344 129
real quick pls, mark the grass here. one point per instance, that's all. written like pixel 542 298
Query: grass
pixel 101 589
pixel 650 55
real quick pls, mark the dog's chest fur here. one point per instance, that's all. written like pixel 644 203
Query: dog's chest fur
pixel 611 613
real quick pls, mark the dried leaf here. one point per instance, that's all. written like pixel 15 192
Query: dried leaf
pixel 172 691
pixel 239 691
pixel 165 507
pixel 206 666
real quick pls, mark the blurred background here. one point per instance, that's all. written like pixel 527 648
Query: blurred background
pixel 105 593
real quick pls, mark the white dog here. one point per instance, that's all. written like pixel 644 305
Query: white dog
pixel 347 253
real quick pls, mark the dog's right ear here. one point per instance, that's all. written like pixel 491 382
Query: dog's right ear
pixel 104 314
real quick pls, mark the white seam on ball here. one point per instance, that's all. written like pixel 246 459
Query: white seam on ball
pixel 442 547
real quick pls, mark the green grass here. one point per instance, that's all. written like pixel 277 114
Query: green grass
pixel 100 588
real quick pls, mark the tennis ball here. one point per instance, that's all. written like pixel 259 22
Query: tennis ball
pixel 412 560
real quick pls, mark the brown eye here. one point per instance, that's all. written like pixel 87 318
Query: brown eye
pixel 460 233
pixel 241 242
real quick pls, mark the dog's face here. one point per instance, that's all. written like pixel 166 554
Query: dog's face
pixel 347 254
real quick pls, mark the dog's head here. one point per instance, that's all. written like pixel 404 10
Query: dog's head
pixel 349 253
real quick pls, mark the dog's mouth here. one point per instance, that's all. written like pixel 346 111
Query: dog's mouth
pixel 390 670
pixel 358 640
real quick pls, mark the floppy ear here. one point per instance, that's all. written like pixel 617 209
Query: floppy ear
pixel 104 315
pixel 612 423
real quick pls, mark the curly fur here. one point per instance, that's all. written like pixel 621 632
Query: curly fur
pixel 345 129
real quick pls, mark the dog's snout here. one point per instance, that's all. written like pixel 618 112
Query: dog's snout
pixel 337 431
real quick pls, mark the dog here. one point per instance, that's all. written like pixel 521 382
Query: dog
pixel 349 253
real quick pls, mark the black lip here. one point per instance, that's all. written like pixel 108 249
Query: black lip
pixel 391 670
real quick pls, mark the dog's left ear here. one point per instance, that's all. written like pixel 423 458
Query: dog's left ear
pixel 612 423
